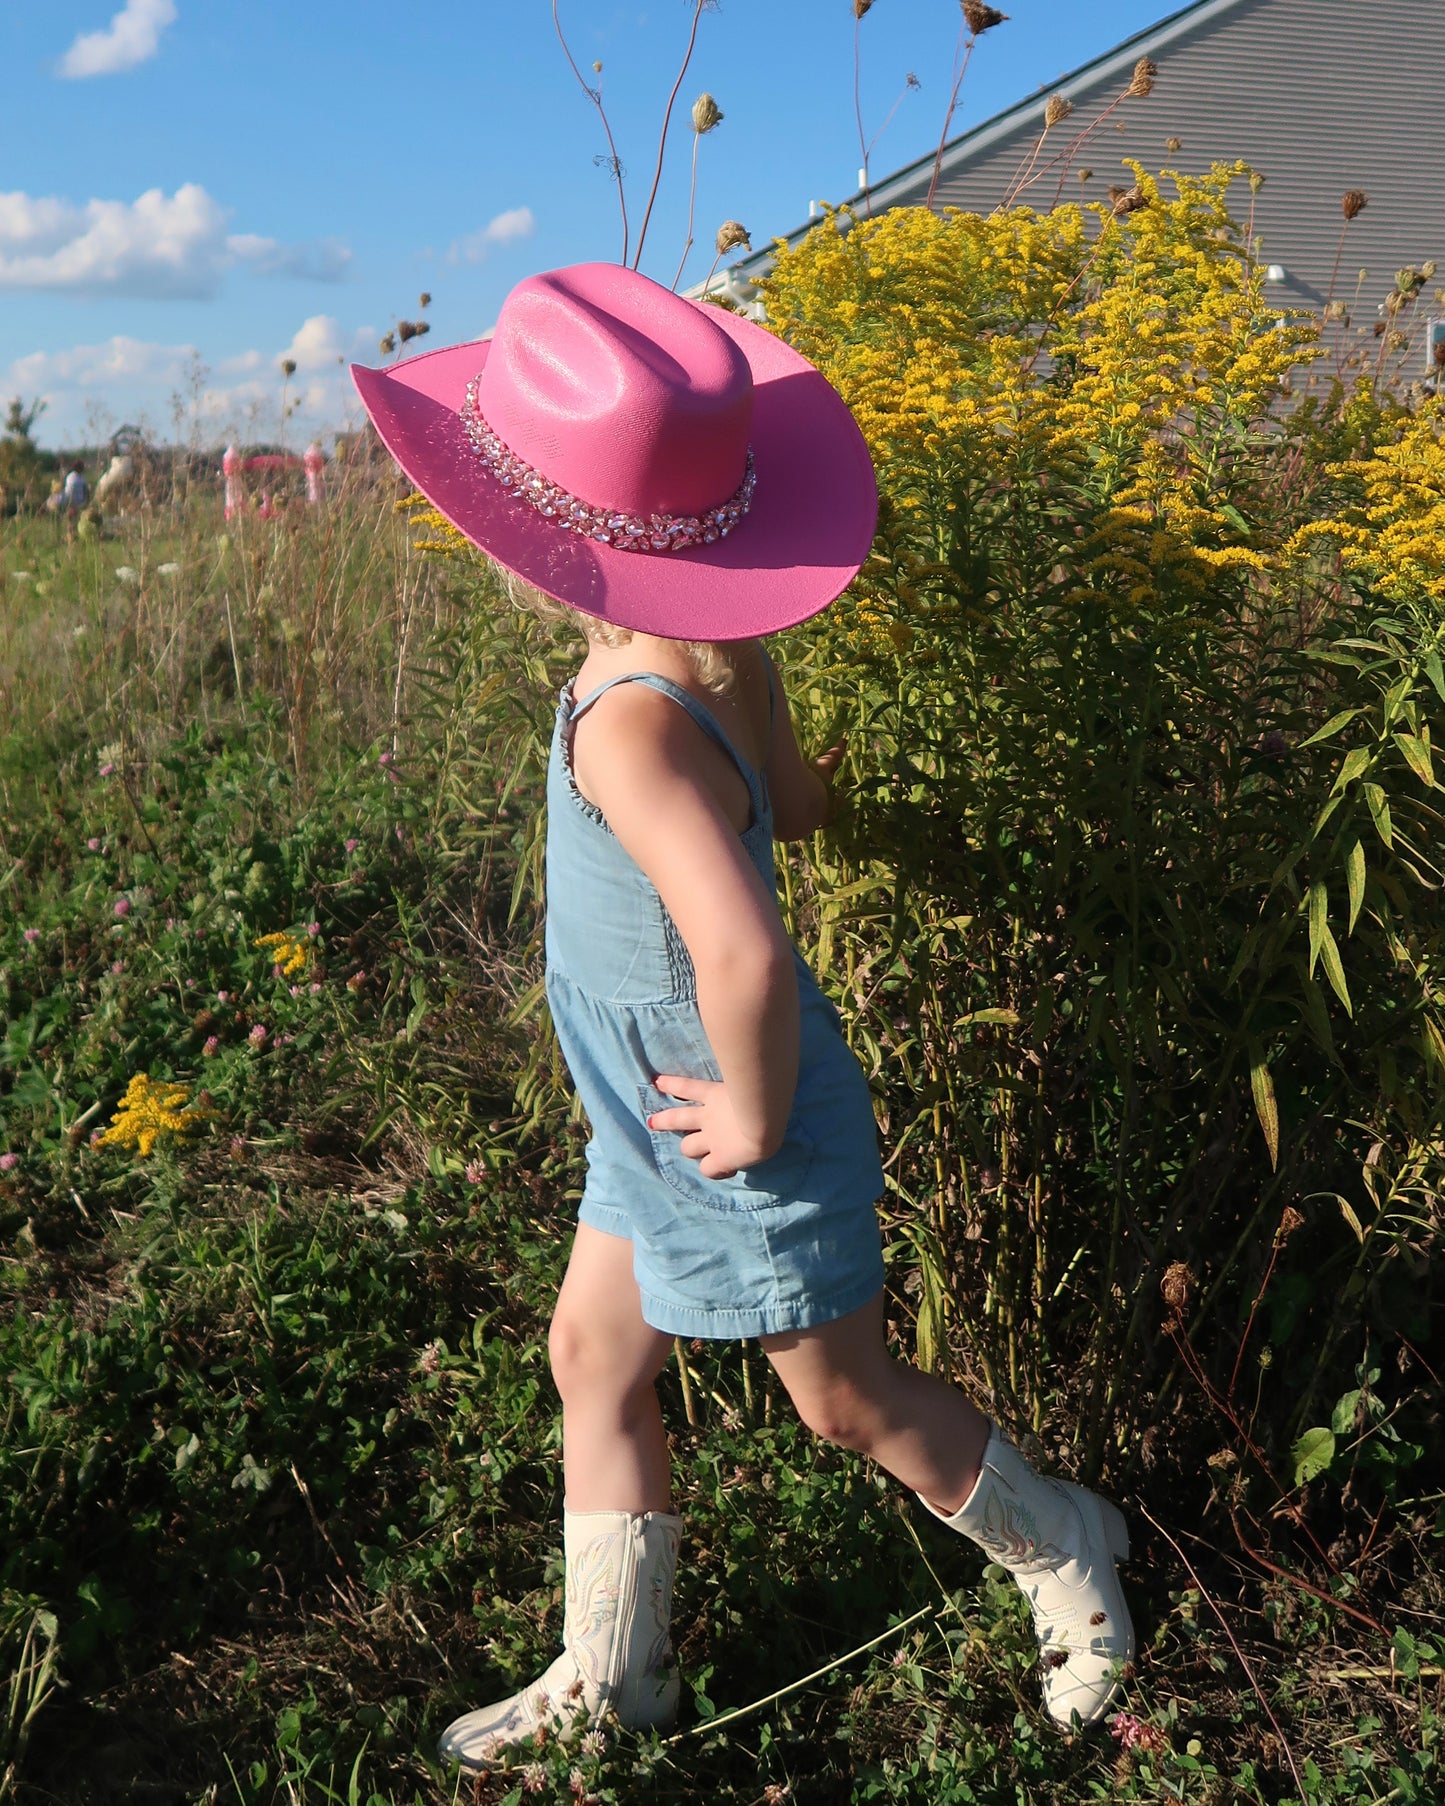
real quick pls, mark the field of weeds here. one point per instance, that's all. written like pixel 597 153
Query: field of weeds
pixel 1134 920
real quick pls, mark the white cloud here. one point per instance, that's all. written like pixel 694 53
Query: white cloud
pixel 133 36
pixel 516 222
pixel 88 388
pixel 157 246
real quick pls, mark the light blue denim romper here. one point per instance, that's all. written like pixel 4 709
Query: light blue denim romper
pixel 784 1245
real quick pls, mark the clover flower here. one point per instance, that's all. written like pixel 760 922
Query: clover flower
pixel 475 1172
pixel 352 845
pixel 9 1162
pixel 534 1777
pixel 257 1036
pixel 150 1109
pixel 211 1046
pixel 1133 1733
pixel 32 935
pixel 122 907
pixel 93 844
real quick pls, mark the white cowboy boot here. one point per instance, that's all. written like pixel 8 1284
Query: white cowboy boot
pixel 1060 1543
pixel 616 1651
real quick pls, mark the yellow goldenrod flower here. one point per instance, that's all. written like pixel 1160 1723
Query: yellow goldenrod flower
pixel 290 952
pixel 151 1108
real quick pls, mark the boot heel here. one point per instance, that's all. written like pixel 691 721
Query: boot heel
pixel 1116 1530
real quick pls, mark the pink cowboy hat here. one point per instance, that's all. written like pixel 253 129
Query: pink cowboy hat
pixel 659 463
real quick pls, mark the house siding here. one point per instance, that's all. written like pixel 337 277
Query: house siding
pixel 1317 95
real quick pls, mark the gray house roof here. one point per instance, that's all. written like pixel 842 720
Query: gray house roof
pixel 1319 96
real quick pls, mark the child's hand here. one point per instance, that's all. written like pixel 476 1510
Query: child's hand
pixel 711 1133
pixel 826 766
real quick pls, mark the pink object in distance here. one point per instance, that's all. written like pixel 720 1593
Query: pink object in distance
pixel 315 462
pixel 636 400
pixel 231 470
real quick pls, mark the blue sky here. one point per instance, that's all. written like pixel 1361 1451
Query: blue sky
pixel 191 190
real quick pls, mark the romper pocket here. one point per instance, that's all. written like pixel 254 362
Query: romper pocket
pixel 776 1180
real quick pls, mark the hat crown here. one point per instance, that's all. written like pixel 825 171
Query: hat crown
pixel 619 391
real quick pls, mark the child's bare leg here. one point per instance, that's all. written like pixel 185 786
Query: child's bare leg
pixel 848 1389
pixel 605 1360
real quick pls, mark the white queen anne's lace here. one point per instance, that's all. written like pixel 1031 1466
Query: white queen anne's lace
pixel 626 532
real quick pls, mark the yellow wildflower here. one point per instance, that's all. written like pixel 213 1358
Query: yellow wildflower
pixel 151 1108
pixel 290 952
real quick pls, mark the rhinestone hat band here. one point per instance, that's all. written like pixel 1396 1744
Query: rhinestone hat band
pixel 627 532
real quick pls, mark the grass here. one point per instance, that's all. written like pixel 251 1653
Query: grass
pixel 280 1458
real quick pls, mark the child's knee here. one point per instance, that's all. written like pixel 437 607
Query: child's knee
pixel 838 1411
pixel 574 1352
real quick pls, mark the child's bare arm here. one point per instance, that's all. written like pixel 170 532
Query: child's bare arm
pixel 801 789
pixel 646 774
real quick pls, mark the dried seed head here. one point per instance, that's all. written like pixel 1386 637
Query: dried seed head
pixel 423 300
pixel 1085 174
pixel 1142 80
pixel 1398 341
pixel 1256 181
pixel 386 344
pixel 405 330
pixel 1289 1221
pixel 730 234
pixel 1057 111
pixel 1353 201
pixel 1173 144
pixel 1437 355
pixel 1378 329
pixel 1337 310
pixel 980 18
pixel 1427 270
pixel 420 329
pixel 597 68
pixel 288 367
pixel 1128 200
pixel 860 7
pixel 1177 1286
pixel 706 113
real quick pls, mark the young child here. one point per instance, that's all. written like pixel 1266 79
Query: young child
pixel 685 483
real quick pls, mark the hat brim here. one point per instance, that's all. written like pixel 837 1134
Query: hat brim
pixel 808 530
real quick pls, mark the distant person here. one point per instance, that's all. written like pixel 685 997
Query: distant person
pixel 77 491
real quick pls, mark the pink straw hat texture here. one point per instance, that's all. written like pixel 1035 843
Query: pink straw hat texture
pixel 659 463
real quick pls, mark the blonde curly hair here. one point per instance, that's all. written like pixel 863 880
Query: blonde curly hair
pixel 711 660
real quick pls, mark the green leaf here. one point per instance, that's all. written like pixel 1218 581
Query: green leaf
pixel 1319 907
pixel 1332 726
pixel 1380 810
pixel 1342 1418
pixel 1347 1211
pixel 1435 673
pixel 1334 969
pixel 1417 754
pixel 1358 760
pixel 1355 877
pixel 1266 1107
pixel 1312 1454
